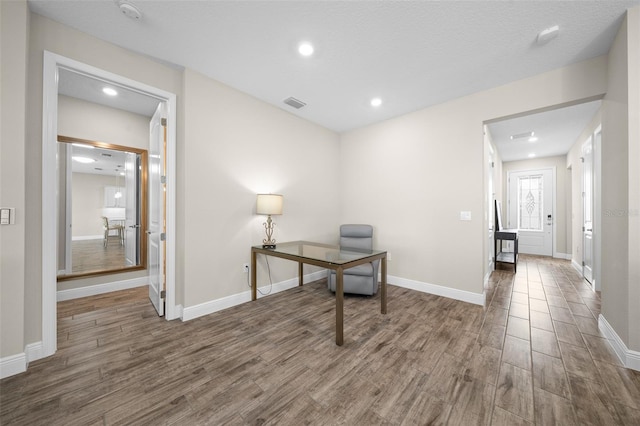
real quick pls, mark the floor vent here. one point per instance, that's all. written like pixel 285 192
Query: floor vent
pixel 294 103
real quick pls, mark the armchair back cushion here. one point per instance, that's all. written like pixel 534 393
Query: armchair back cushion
pixel 362 279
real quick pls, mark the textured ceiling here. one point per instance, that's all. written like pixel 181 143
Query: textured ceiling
pixel 412 54
pixel 556 131
pixel 83 87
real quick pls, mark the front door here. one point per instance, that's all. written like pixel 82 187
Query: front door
pixel 587 202
pixel 530 207
pixel 155 233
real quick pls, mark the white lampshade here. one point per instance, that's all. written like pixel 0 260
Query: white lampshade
pixel 269 204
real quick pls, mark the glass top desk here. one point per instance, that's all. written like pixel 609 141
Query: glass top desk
pixel 330 257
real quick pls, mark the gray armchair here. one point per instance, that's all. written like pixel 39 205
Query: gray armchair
pixel 362 279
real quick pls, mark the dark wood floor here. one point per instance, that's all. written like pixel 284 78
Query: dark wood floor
pixel 532 356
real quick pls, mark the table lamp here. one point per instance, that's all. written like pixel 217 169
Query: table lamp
pixel 269 204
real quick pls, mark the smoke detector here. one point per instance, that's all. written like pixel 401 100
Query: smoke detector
pixel 129 10
pixel 546 35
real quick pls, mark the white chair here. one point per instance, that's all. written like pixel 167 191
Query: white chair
pixel 107 228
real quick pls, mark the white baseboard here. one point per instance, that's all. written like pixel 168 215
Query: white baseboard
pixel 192 312
pixel 87 237
pixel 34 351
pixel 451 293
pixel 92 290
pixel 565 256
pixel 12 365
pixel 576 266
pixel 629 358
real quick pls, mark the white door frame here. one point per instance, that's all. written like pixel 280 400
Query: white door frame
pixel 597 211
pixel 553 198
pixel 52 63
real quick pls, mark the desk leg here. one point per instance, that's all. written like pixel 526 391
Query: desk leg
pixel 383 295
pixel 339 305
pixel 300 274
pixel 254 287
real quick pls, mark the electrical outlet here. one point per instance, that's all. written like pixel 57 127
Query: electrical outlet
pixel 245 268
pixel 388 256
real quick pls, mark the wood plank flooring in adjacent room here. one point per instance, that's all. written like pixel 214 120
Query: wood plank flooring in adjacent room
pixel 532 356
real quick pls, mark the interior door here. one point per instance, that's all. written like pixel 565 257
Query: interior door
pixel 131 209
pixel 155 231
pixel 68 208
pixel 530 206
pixel 587 209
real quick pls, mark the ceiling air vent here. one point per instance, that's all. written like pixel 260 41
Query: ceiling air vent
pixel 294 103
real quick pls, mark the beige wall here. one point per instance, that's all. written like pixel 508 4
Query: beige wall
pixel 620 216
pixel 633 63
pixel 412 175
pixel 615 185
pixel 576 213
pixel 86 120
pixel 235 147
pixel 14 27
pixel 559 163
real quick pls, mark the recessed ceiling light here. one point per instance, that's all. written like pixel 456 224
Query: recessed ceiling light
pixel 84 160
pixel 533 139
pixel 109 91
pixel 305 49
pixel 532 155
pixel 121 173
pixel 376 102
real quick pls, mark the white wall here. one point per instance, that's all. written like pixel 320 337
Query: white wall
pixel 412 175
pixel 236 146
pixel 559 163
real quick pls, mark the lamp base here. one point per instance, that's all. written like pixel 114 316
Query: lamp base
pixel 268 246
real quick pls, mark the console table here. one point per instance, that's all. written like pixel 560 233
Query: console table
pixel 330 257
pixel 506 257
pixel 504 234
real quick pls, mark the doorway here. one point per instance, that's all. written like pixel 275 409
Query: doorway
pixel 530 206
pixel 53 64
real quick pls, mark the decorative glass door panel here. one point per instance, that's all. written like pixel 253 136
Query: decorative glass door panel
pixel 530 203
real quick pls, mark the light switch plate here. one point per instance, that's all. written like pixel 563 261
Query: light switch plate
pixel 7 216
pixel 465 215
